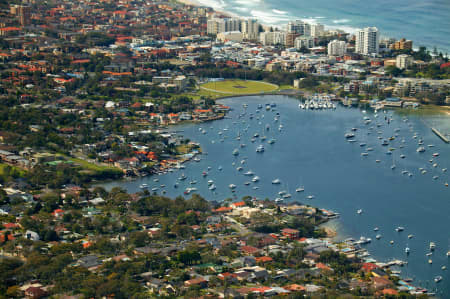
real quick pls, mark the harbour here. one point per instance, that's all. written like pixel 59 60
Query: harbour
pixel 311 154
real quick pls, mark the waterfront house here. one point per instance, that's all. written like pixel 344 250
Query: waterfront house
pixel 199 281
pixel 380 283
pixel 290 233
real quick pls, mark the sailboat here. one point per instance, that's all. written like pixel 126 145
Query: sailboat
pixel 300 189
pixel 407 250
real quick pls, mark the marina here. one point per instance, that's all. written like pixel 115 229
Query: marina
pixel 340 179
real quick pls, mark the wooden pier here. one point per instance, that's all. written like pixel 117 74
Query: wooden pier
pixel 440 135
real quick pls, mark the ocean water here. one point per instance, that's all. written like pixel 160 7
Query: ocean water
pixel 311 151
pixel 426 22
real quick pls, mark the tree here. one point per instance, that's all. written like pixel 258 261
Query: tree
pixel 188 257
pixel 393 71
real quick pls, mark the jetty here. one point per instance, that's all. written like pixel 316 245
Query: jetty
pixel 440 135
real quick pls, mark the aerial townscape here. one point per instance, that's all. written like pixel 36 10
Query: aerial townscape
pixel 167 149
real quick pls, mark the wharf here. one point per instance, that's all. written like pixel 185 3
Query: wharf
pixel 440 135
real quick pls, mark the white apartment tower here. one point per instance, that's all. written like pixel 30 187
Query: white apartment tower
pixel 217 25
pixel 304 42
pixel 299 27
pixel 250 29
pixel 337 48
pixel 317 30
pixel 367 41
pixel 272 38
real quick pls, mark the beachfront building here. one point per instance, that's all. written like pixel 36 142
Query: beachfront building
pixel 403 61
pixel 230 36
pixel 402 44
pixel 299 27
pixel 272 38
pixel 337 48
pixel 217 25
pixel 304 42
pixel 317 30
pixel 367 41
pixel 250 29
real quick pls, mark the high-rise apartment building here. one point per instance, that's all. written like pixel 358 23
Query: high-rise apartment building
pixel 250 29
pixel 299 27
pixel 217 25
pixel 337 48
pixel 367 41
pixel 317 30
pixel 272 38
pixel 304 42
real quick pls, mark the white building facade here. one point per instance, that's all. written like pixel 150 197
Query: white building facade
pixel 367 41
pixel 299 27
pixel 272 38
pixel 337 48
pixel 250 29
pixel 317 30
pixel 304 42
pixel 403 61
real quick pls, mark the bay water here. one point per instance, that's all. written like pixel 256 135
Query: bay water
pixel 311 151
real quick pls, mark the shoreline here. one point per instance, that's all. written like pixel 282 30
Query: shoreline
pixel 333 232
pixel 337 24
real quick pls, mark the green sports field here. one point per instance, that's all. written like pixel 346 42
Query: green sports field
pixel 238 87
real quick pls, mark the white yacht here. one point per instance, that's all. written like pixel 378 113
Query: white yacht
pixel 232 186
pixel 276 181
pixel 300 189
pixel 260 148
pixel 349 135
pixel 420 149
pixel 432 246
pixel 255 179
pixel 359 211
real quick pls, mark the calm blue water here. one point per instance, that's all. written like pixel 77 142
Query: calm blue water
pixel 426 22
pixel 311 151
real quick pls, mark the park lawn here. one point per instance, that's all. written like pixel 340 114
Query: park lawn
pixel 13 168
pixel 285 87
pixel 91 166
pixel 230 87
pixel 183 149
